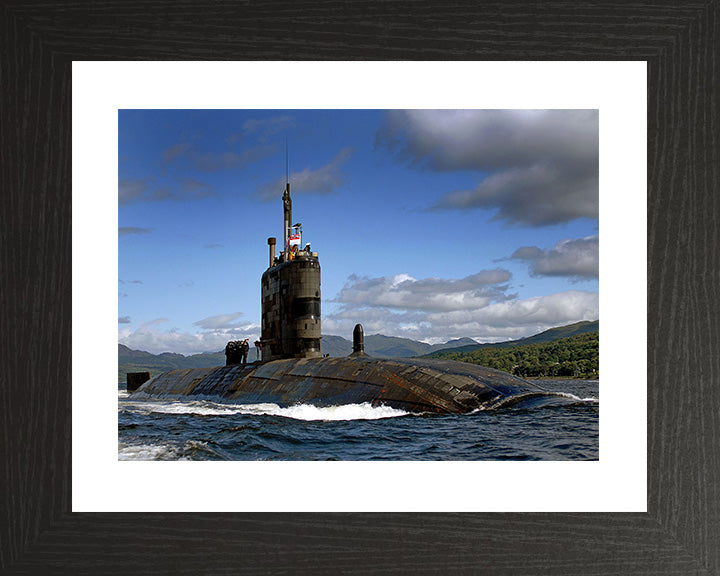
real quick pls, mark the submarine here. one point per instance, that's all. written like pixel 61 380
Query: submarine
pixel 291 369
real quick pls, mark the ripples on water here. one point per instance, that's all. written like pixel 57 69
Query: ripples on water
pixel 204 430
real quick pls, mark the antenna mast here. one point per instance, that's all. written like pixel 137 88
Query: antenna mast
pixel 287 205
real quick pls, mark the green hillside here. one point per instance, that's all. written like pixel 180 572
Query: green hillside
pixel 546 336
pixel 576 356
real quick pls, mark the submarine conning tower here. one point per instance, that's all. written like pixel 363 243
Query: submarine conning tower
pixel 290 290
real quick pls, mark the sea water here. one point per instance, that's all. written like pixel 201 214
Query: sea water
pixel 208 430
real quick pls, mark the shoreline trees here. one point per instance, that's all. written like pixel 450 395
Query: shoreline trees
pixel 574 357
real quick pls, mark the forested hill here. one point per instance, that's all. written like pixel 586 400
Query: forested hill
pixel 576 356
pixel 546 336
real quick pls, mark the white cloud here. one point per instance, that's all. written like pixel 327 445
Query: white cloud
pixel 500 318
pixel 324 180
pixel 151 338
pixel 569 258
pixel 378 321
pixel 524 317
pixel 436 310
pixel 405 292
pixel 535 167
pixel 536 195
pixel 220 321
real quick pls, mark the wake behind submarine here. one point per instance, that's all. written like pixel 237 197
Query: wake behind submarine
pixel 292 370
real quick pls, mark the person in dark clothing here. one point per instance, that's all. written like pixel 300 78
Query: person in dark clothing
pixel 244 348
pixel 232 353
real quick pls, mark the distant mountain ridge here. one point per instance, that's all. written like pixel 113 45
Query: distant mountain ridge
pixel 549 335
pixel 375 345
pixel 140 361
pixel 389 346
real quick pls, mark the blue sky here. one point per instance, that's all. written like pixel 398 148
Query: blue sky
pixel 429 224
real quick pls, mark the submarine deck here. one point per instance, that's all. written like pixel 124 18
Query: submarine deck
pixel 412 384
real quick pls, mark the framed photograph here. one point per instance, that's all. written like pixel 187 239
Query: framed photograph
pixel 431 235
pixel 117 102
pixel 178 521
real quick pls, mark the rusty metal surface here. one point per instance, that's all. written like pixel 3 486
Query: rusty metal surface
pixel 290 293
pixel 415 385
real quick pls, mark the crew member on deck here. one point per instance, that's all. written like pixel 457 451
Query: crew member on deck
pixel 244 347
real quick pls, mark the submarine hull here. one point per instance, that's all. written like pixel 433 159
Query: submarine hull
pixel 413 385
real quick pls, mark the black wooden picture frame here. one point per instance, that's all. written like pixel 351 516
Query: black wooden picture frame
pixel 680 533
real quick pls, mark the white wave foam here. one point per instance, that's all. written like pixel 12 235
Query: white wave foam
pixel 576 398
pixel 364 411
pixel 148 452
pixel 201 408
